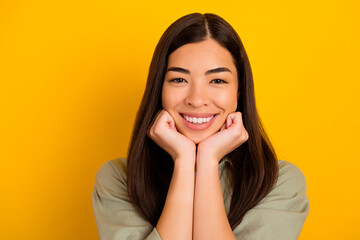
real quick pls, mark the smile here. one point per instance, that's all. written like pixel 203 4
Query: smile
pixel 197 120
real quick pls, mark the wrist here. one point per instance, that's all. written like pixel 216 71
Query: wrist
pixel 185 161
pixel 206 161
pixel 206 156
pixel 188 152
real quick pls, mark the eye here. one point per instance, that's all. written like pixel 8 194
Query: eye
pixel 217 81
pixel 178 80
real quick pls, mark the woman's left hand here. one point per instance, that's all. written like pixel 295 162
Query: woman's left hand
pixel 231 135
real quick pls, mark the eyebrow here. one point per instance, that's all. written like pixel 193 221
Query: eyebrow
pixel 211 71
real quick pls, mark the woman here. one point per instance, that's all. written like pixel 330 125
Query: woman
pixel 200 165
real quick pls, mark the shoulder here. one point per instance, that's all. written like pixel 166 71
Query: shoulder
pixel 115 215
pixel 290 179
pixel 285 205
pixel 111 177
pixel 112 168
pixel 289 191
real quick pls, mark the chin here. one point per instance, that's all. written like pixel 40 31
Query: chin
pixel 196 139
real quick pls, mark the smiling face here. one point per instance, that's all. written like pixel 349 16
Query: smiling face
pixel 200 88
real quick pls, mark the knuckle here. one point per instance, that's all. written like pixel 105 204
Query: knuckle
pixel 246 136
pixel 156 131
pixel 150 133
pixel 243 135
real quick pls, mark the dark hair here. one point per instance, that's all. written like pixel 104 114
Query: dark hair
pixel 253 166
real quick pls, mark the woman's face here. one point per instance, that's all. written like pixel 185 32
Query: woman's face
pixel 200 88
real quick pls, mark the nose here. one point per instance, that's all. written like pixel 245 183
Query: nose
pixel 197 96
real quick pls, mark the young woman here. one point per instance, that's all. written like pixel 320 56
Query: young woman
pixel 200 165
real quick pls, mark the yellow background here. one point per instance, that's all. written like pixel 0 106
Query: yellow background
pixel 73 73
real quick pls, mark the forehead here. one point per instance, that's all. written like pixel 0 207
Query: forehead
pixel 201 56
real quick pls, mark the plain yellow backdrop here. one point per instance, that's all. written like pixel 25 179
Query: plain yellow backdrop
pixel 72 76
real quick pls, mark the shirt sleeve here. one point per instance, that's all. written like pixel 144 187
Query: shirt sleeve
pixel 282 213
pixel 115 216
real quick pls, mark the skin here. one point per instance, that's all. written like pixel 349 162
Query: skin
pixel 186 213
pixel 198 92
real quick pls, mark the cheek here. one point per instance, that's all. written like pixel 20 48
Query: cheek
pixel 169 99
pixel 227 101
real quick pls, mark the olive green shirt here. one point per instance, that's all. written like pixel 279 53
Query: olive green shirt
pixel 280 215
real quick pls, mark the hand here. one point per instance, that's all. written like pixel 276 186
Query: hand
pixel 231 135
pixel 165 134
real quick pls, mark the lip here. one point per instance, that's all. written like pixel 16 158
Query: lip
pixel 199 115
pixel 198 127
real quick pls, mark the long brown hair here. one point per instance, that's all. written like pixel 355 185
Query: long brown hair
pixel 253 165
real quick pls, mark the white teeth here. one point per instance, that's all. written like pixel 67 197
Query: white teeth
pixel 197 120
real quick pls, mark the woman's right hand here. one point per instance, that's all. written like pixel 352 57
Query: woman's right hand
pixel 165 134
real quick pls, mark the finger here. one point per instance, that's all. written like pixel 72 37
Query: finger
pixel 223 127
pixel 229 121
pixel 171 124
pixel 236 118
pixel 238 121
pixel 154 121
pixel 169 120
